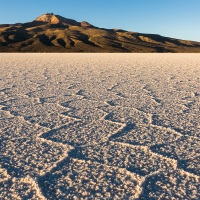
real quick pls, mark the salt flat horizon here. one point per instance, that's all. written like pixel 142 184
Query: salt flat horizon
pixel 99 126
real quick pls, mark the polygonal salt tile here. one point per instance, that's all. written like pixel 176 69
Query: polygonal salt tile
pixel 184 123
pixel 17 127
pixel 185 150
pixel 173 184
pixel 141 134
pixel 138 101
pixel 82 133
pixel 32 157
pixel 51 121
pixel 34 110
pixel 127 115
pixel 84 109
pixel 18 101
pixel 137 159
pixel 77 179
pixel 24 188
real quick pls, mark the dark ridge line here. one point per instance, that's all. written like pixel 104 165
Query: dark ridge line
pixel 42 184
pixel 81 93
pixel 119 94
pixel 144 192
pixel 181 164
pixel 12 171
pixel 124 130
pixel 159 123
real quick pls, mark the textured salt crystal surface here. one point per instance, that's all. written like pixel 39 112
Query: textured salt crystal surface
pixel 99 126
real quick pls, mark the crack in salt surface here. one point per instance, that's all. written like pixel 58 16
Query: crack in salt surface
pixel 96 102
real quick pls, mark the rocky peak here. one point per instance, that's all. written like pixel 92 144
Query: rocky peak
pixel 85 24
pixel 56 19
pixel 49 18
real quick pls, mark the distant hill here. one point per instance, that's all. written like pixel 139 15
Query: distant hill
pixel 54 33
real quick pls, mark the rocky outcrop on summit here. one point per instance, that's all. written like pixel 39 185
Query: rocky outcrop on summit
pixel 56 19
pixel 85 24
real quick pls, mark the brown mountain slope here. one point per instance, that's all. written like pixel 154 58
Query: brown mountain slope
pixel 53 33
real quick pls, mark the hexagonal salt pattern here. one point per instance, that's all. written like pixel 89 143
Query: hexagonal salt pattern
pixel 99 126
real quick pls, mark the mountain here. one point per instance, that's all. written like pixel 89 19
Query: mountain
pixel 54 33
pixel 56 19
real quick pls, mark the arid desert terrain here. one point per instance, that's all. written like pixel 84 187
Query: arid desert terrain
pixel 99 126
pixel 54 33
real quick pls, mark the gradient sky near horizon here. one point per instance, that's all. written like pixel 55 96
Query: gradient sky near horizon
pixel 172 18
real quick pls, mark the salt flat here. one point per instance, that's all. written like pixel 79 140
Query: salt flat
pixel 99 126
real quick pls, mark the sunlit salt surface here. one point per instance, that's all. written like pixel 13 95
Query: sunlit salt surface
pixel 99 126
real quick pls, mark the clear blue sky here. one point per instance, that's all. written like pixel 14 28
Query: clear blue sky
pixel 173 18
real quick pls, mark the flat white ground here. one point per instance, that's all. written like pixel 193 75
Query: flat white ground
pixel 97 126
